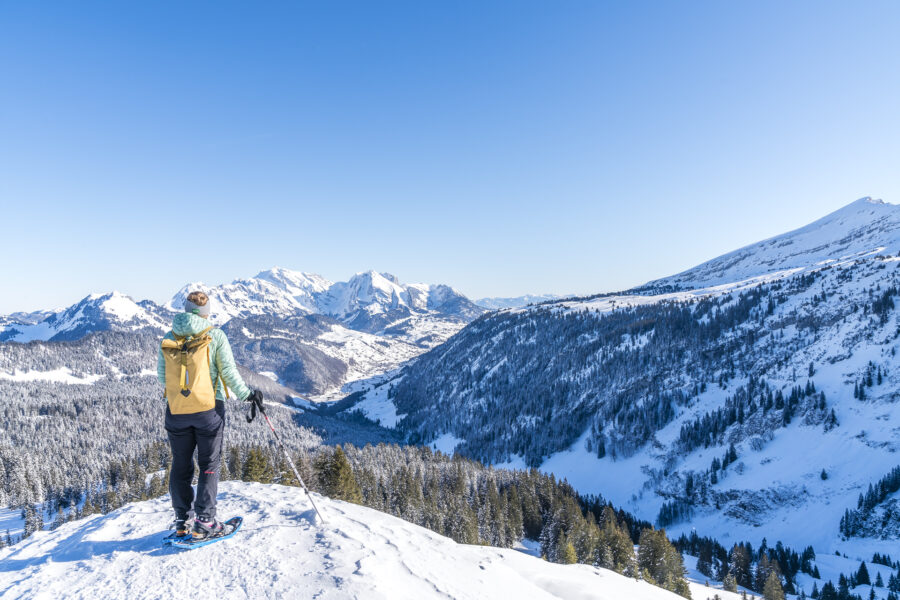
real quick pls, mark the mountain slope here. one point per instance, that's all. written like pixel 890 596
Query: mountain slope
pixel 283 552
pixel 640 395
pixel 864 227
pixel 98 312
pixel 496 303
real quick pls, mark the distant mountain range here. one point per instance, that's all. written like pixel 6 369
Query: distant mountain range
pixel 333 332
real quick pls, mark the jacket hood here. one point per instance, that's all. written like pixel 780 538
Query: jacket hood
pixel 189 324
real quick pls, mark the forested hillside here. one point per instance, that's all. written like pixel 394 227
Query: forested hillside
pixel 730 405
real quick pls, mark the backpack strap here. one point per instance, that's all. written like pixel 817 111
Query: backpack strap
pixel 219 373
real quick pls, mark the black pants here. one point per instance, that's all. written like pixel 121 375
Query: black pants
pixel 201 431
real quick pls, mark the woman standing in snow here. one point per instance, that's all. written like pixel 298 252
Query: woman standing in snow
pixel 196 367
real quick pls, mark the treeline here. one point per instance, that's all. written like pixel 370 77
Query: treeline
pixel 757 396
pixel 742 565
pixel 758 569
pixel 528 383
pixel 842 591
pixel 857 522
pixel 57 439
pixel 873 375
pixel 455 497
pixel 473 504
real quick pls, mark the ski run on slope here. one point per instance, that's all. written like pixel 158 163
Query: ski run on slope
pixel 283 552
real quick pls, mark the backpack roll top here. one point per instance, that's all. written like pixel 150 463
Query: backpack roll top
pixel 189 387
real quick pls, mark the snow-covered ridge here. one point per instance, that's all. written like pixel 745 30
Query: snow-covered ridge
pixel 369 301
pixel 356 302
pixel 864 226
pixel 97 312
pixel 283 552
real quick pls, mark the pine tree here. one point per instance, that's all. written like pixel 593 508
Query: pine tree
pixel 729 584
pixel 514 511
pixel 772 589
pixel 157 486
pixel 58 520
pixel 34 520
pixel 616 548
pixel 338 481
pixel 739 565
pixel 843 589
pixel 224 471
pixel 704 560
pixel 235 464
pixel 284 473
pixel 565 550
pixel 257 467
pixel 828 592
pixel 660 562
pixel 862 575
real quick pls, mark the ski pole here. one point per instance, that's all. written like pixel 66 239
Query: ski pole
pixel 287 455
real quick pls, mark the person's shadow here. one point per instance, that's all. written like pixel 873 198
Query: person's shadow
pixel 76 547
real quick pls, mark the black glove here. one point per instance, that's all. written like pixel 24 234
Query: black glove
pixel 256 403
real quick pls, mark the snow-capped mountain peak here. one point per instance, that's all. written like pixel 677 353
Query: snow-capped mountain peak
pixel 367 290
pixel 246 297
pixel 297 283
pixel 95 312
pixel 283 292
pixel 369 294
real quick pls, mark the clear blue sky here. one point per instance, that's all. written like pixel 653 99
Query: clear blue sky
pixel 500 147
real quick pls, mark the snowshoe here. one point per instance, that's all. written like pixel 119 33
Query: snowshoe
pixel 205 530
pixel 208 532
pixel 182 531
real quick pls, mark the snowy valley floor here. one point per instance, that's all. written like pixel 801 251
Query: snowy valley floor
pixel 282 552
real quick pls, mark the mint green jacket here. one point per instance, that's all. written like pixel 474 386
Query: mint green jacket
pixel 219 354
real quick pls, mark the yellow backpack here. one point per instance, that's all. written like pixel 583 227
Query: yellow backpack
pixel 189 387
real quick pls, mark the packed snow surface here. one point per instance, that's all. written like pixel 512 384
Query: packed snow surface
pixel 283 551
